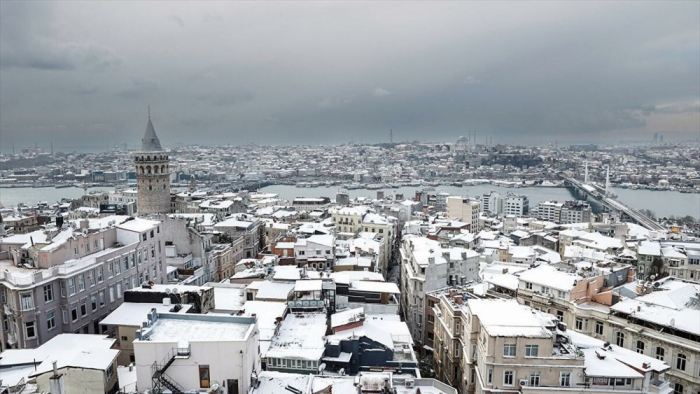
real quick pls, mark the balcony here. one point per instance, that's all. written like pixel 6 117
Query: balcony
pixel 8 310
pixel 657 386
pixel 306 304
pixel 11 338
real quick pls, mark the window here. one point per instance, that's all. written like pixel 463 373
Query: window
pixel 528 285
pixel 680 362
pixel 74 311
pixel 111 294
pixel 560 315
pixel 531 350
pixel 133 260
pixel 561 294
pixel 489 376
pixel 102 298
pixel 640 347
pixel 117 267
pixel 48 293
pixel 100 276
pixel 660 353
pixel 599 328
pixel 204 376
pixel 507 378
pixel 110 270
pixel 620 339
pixel 119 290
pixel 26 301
pixel 126 263
pixel 93 301
pixel 677 388
pixel 431 319
pixel 91 277
pixel 565 379
pixel 579 323
pixel 545 290
pixel 29 330
pixel 65 315
pixel 534 379
pixel 83 307
pixel 509 350
pixel 71 286
pixel 81 282
pixel 51 320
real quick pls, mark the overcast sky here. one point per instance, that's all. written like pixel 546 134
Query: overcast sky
pixel 81 74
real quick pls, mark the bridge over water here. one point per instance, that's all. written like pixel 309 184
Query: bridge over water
pixel 612 204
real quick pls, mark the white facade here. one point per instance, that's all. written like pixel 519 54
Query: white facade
pixel 208 349
pixel 425 266
pixel 492 203
pixel 516 205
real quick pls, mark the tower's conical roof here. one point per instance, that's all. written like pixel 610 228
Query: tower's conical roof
pixel 150 141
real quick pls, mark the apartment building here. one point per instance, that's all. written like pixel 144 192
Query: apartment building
pixel 548 210
pixel 192 352
pixel 492 202
pixel 575 211
pixel 512 348
pixel 67 280
pixel 662 322
pixel 385 227
pixel 248 226
pixel 425 267
pixel 466 210
pixel 516 204
pixel 682 259
pixel 348 219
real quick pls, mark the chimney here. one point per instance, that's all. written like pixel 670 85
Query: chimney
pixel 359 388
pixel 458 300
pixel 56 382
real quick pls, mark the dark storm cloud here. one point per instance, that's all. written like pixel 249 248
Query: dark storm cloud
pixel 26 42
pixel 317 72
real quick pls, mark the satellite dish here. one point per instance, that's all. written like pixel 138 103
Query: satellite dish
pixel 167 290
pixel 175 290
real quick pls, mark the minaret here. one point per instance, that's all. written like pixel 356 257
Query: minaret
pixel 152 174
pixel 585 173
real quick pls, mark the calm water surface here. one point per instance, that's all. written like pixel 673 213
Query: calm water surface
pixel 663 203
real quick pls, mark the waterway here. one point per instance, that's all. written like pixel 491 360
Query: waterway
pixel 663 203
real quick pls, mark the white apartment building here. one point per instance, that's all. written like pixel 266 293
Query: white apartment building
pixel 492 203
pixel 426 266
pixel 516 204
pixel 466 210
pixel 548 210
pixel 193 352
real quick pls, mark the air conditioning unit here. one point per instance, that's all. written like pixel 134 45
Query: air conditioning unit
pixel 409 382
pixel 523 382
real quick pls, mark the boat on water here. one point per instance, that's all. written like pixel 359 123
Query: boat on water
pixel 63 186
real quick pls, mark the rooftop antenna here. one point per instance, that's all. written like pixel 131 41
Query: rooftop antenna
pixel 607 181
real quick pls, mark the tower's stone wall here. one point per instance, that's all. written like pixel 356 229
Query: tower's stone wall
pixel 153 180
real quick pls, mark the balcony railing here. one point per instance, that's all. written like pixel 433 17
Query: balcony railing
pixel 306 304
